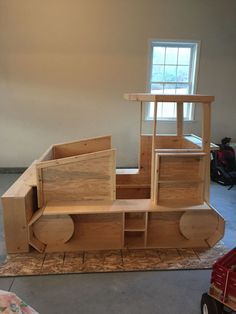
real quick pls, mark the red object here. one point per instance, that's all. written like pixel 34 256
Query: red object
pixel 223 275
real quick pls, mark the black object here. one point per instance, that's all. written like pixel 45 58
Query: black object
pixel 210 305
pixel 223 164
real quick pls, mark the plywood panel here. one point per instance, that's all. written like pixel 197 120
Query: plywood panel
pixel 186 192
pixel 54 229
pixel 198 224
pixel 180 168
pixel 17 212
pixel 163 231
pixel 93 232
pixel 86 177
pixel 82 147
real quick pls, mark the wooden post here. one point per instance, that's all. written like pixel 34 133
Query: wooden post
pixel 153 151
pixel 179 119
pixel 206 134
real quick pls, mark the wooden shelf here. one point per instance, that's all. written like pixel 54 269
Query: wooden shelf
pixel 135 221
pixel 175 205
pixel 176 181
pixel 134 239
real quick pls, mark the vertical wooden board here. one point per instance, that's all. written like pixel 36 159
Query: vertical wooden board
pixel 145 154
pixel 155 185
pixel 206 135
pixel 100 231
pixel 180 119
pixel 163 228
pixel 82 147
pixel 87 177
pixel 15 224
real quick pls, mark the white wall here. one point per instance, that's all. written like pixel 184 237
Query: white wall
pixel 64 66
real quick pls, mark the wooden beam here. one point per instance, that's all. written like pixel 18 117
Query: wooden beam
pixel 168 98
pixel 180 118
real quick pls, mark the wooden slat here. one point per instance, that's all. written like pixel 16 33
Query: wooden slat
pixel 90 207
pixel 168 98
pixel 80 147
pixel 180 117
pixel 206 134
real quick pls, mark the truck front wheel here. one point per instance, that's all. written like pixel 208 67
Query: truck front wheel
pixel 210 305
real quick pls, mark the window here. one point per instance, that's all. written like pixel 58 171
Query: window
pixel 173 68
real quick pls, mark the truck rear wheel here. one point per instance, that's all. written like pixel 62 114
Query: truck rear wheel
pixel 210 305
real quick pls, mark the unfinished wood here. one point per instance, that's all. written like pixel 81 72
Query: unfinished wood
pixel 21 187
pixel 206 134
pixel 135 221
pixel 84 146
pixel 189 193
pixel 133 192
pixel 179 152
pixel 163 231
pixel 179 206
pixel 168 142
pixel 155 183
pixel 54 229
pixel 153 149
pixel 196 140
pixel 117 206
pixel 168 98
pixel 180 117
pixel 134 239
pixel 34 242
pixel 93 232
pixel 198 224
pixel 219 233
pixel 86 177
pixel 17 212
pixel 187 167
pixel 99 207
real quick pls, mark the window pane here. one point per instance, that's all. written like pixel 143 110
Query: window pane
pixel 170 73
pixel 157 73
pixel 157 88
pixel 169 89
pixel 158 55
pixel 188 111
pixel 171 55
pixel 184 56
pixel 182 89
pixel 182 73
pixel 169 110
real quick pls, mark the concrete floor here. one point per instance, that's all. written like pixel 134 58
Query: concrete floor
pixel 169 292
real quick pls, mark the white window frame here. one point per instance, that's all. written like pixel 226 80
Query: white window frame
pixel 195 54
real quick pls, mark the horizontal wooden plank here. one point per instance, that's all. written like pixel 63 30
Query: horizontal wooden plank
pixel 80 147
pixel 179 152
pixel 92 207
pixel 169 98
pixel 117 206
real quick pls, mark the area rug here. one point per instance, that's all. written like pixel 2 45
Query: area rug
pixel 110 261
